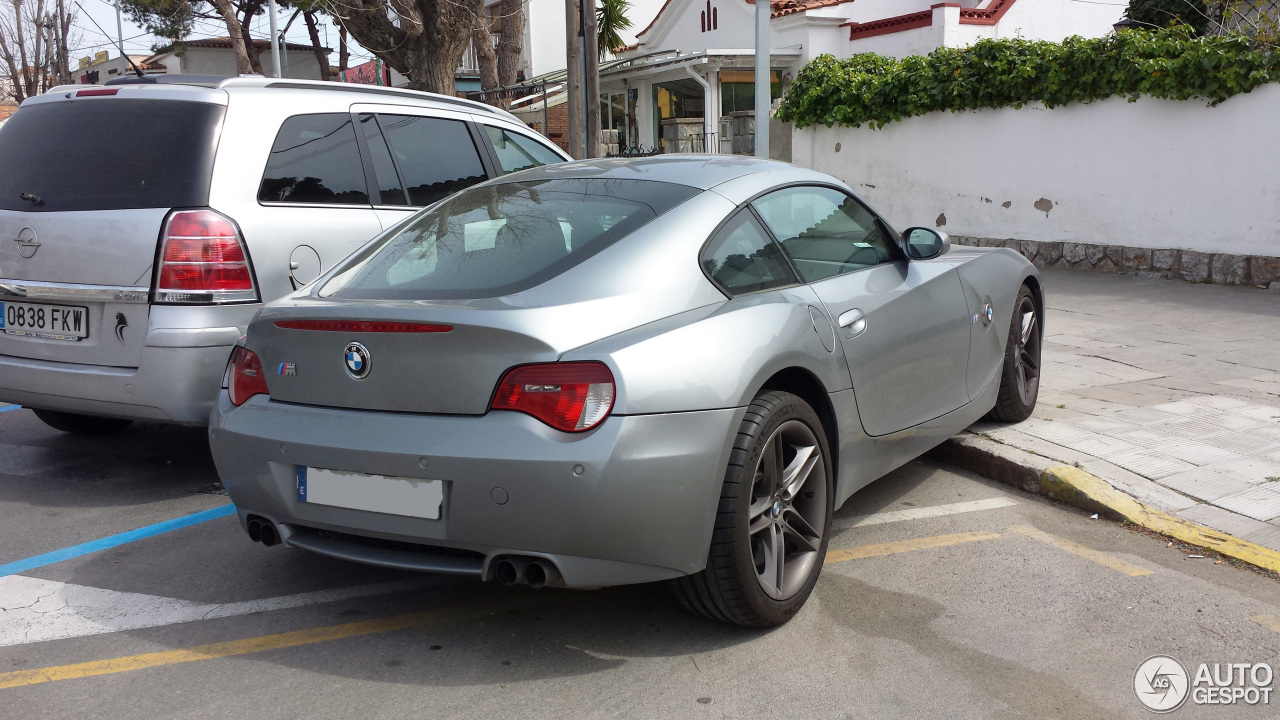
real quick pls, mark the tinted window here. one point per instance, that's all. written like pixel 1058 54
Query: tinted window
pixel 498 239
pixel 517 152
pixel 389 190
pixel 315 160
pixel 436 157
pixel 87 154
pixel 742 258
pixel 825 232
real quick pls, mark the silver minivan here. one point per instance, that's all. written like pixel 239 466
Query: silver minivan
pixel 142 224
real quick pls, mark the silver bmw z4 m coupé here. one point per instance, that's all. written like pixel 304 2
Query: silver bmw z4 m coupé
pixel 610 372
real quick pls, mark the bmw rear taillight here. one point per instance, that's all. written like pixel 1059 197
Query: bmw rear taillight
pixel 245 377
pixel 203 260
pixel 571 396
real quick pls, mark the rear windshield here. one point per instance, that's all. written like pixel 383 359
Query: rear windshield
pixel 108 154
pixel 494 240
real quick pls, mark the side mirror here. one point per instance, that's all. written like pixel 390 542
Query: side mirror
pixel 924 243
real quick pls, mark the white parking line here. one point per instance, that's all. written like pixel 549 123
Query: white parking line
pixel 924 512
pixel 35 610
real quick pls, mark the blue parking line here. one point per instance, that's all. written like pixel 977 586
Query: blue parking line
pixel 7 408
pixel 111 541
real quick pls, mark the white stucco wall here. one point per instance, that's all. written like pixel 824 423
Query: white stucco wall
pixel 680 27
pixel 1147 174
pixel 1051 20
pixel 1057 19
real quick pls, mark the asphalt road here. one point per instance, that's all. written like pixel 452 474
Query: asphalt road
pixel 944 595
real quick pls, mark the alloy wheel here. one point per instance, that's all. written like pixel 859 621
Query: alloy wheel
pixel 1027 358
pixel 788 509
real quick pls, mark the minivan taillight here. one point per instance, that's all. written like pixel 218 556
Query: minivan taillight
pixel 571 396
pixel 203 260
pixel 246 378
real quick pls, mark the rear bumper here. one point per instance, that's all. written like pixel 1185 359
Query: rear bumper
pixel 178 376
pixel 632 501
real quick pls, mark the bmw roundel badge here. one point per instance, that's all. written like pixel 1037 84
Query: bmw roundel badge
pixel 357 357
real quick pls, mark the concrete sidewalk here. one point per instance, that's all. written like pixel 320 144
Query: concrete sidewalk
pixel 1168 391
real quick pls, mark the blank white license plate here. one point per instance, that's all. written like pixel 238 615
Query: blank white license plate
pixel 412 497
pixel 60 322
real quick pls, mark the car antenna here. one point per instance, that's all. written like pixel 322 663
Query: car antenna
pixel 119 44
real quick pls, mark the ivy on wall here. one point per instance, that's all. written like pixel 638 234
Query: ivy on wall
pixel 1171 63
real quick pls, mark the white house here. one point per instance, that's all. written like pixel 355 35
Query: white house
pixel 213 56
pixel 687 83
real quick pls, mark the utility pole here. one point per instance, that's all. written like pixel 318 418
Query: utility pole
pixel 573 82
pixel 124 61
pixel 591 81
pixel 275 40
pixel 763 103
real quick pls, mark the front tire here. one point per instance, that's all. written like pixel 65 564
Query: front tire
pixel 80 424
pixel 774 518
pixel 1020 379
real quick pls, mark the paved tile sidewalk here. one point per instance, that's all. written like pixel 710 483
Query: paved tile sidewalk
pixel 1169 391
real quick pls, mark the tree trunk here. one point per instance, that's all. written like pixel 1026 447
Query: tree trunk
pixel 62 25
pixel 11 62
pixel 511 42
pixel 426 43
pixel 591 76
pixel 486 59
pixel 309 17
pixel 251 50
pixel 344 55
pixel 237 34
pixel 573 79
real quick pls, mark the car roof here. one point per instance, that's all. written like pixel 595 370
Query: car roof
pixel 218 82
pixel 698 171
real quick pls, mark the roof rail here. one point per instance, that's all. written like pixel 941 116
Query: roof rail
pixel 219 81
pixel 383 90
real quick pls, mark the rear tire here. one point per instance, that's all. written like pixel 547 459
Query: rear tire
pixel 773 521
pixel 80 424
pixel 1020 378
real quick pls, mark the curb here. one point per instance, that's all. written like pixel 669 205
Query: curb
pixel 1072 486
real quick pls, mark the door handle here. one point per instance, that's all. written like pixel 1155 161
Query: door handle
pixel 855 321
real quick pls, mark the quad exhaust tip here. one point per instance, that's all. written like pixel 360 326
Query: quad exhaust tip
pixel 534 572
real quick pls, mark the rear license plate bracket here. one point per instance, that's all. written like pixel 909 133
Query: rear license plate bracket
pixel 409 497
pixel 43 320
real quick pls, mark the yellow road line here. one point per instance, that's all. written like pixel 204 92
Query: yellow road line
pixel 1088 553
pixel 1270 622
pixel 900 546
pixel 937 541
pixel 127 663
pixel 1077 487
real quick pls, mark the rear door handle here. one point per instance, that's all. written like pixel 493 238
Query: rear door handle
pixel 855 321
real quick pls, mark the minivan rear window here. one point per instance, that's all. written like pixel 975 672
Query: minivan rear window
pixel 108 153
pixel 499 239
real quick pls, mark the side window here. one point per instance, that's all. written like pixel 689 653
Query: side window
pixel 517 152
pixel 825 232
pixel 389 190
pixel 315 160
pixel 436 157
pixel 742 258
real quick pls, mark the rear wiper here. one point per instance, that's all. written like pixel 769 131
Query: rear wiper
pixel 34 199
